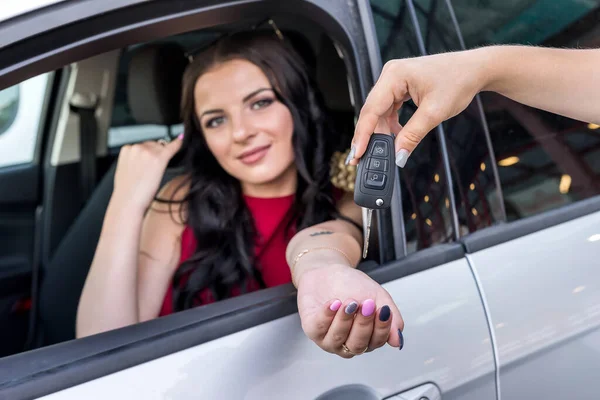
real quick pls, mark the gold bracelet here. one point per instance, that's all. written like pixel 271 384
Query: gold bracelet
pixel 305 251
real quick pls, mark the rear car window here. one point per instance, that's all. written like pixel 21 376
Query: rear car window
pixel 21 108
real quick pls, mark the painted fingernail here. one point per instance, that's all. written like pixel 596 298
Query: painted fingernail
pixel 335 305
pixel 402 158
pixel 180 136
pixel 350 154
pixel 385 313
pixel 350 308
pixel 401 337
pixel 368 307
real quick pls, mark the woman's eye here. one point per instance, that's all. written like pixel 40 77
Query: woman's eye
pixel 261 104
pixel 214 122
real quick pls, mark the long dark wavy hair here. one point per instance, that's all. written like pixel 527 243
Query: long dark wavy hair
pixel 214 205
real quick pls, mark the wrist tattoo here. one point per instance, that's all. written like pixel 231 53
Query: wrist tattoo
pixel 321 233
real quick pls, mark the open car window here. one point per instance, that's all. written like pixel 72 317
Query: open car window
pixel 106 75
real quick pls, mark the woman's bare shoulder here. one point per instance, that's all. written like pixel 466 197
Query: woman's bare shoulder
pixel 176 189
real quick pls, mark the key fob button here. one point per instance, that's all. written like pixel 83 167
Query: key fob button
pixel 375 180
pixel 380 148
pixel 377 164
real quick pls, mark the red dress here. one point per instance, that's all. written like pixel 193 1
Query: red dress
pixel 268 214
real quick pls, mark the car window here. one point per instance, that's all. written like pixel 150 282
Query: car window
pixel 20 112
pixel 541 161
pixel 544 160
pixel 475 188
pixel 485 21
pixel 425 201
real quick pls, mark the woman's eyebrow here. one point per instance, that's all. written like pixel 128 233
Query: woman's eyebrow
pixel 254 93
pixel 215 111
pixel 245 99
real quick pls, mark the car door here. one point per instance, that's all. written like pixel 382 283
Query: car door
pixel 548 329
pixel 22 126
pixel 253 346
pixel 532 235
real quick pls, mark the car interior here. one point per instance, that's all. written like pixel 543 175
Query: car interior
pixel 134 91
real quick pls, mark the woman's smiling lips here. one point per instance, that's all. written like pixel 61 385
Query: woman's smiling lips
pixel 254 155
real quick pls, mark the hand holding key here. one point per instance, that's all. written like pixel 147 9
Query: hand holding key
pixel 342 309
pixel 443 85
pixel 361 316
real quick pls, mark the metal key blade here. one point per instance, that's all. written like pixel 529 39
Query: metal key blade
pixel 368 233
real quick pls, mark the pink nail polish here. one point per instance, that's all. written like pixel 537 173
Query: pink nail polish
pixel 368 307
pixel 180 136
pixel 335 305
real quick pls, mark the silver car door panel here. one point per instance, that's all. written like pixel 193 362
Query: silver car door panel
pixel 543 294
pixel 446 343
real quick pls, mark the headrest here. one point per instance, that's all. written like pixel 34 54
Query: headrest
pixel 332 77
pixel 154 84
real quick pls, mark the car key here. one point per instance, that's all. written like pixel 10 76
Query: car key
pixel 375 178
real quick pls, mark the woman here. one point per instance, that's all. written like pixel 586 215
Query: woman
pixel 255 198
pixel 562 81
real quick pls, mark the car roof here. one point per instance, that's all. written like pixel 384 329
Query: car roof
pixel 16 8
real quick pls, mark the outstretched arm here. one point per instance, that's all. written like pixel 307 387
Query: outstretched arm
pixel 341 308
pixel 562 81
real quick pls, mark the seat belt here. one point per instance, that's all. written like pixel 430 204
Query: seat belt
pixel 85 105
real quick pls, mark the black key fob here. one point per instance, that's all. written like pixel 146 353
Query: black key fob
pixel 375 173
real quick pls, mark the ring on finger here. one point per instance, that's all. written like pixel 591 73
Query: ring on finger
pixel 347 350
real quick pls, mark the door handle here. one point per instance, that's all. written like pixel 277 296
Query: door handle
pixel 361 392
pixel 424 392
pixel 350 392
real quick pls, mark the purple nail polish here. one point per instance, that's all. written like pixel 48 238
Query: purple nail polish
pixel 401 337
pixel 368 308
pixel 335 305
pixel 385 313
pixel 351 308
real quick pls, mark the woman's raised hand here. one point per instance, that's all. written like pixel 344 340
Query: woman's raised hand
pixel 140 168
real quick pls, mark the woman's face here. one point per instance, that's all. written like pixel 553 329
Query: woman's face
pixel 246 128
